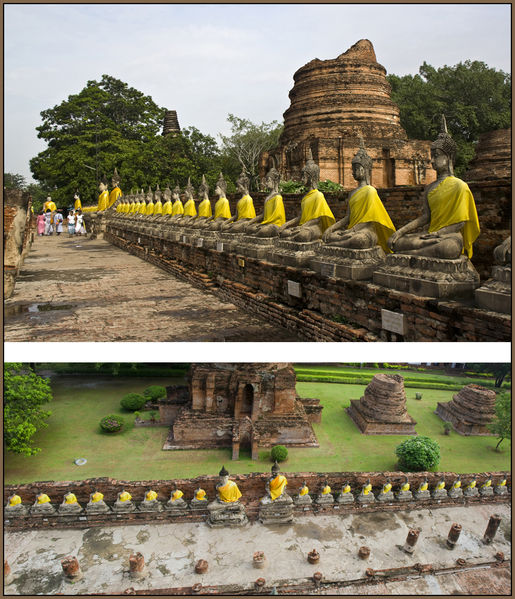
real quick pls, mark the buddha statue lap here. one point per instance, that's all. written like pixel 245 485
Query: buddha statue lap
pixel 42 506
pixel 495 294
pixel 14 506
pixel 245 211
pixel 150 502
pixel 404 493
pixel 226 509
pixel 345 495
pixel 123 503
pixel 96 504
pixel 303 498
pixel 436 262
pixel 353 247
pixel 70 505
pixel 366 495
pixel 386 493
pixel 276 507
pixel 422 493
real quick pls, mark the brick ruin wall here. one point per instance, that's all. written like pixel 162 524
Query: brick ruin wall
pixel 251 485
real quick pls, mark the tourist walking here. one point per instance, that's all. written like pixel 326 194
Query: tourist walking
pixel 71 222
pixel 40 220
pixel 48 222
pixel 80 229
pixel 58 220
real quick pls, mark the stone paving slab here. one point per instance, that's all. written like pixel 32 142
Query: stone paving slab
pixel 171 551
pixel 77 289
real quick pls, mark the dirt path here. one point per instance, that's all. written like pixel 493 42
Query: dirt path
pixel 76 289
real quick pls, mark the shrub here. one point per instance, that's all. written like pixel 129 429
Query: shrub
pixel 417 454
pixel 111 423
pixel 154 392
pixel 447 428
pixel 328 186
pixel 133 401
pixel 292 187
pixel 279 453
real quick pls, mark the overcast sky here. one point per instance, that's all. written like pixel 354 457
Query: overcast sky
pixel 206 61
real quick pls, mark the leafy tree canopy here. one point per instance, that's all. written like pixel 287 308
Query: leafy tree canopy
pixel 499 370
pixel 24 395
pixel 14 181
pixel 501 426
pixel 474 98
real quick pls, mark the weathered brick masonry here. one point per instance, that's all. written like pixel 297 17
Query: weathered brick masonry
pixel 251 485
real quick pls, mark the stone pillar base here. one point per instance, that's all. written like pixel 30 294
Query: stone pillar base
pixel 230 514
pixel 150 506
pixel 345 498
pixel 386 497
pixel 346 263
pixel 279 511
pixel 292 253
pixel 495 294
pixel 364 499
pixel 404 496
pixel 422 495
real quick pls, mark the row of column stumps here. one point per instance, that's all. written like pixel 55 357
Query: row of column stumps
pixel 137 569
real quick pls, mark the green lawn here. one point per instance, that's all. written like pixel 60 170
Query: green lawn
pixel 135 454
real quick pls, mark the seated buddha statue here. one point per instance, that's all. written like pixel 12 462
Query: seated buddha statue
pixel 275 486
pixel 244 208
pixel 366 223
pixel 77 204
pixel 190 212
pixel 316 216
pixel 177 207
pixel 149 210
pixel 167 204
pixel 49 205
pixel 449 217
pixel 116 192
pixel 158 205
pixel 227 490
pixel 502 253
pixel 103 198
pixel 205 211
pixel 142 203
pixel 222 207
pixel 267 223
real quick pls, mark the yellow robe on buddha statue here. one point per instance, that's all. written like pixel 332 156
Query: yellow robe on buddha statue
pixel 222 208
pixel 229 493
pixel 143 208
pixel 245 208
pixel 274 212
pixel 313 206
pixel 177 208
pixel 451 202
pixel 103 200
pixel 204 209
pixel 366 207
pixel 149 211
pixel 189 208
pixel 114 194
pixel 77 205
pixel 167 207
pixel 158 207
pixel 277 486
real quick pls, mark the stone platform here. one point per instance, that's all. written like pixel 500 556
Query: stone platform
pixel 292 253
pixel 279 511
pixel 495 294
pixel 428 277
pixel 260 248
pixel 346 263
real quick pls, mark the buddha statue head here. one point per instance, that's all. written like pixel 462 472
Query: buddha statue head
pixel 272 179
pixel 167 194
pixel 243 182
pixel 157 194
pixel 203 190
pixel 443 152
pixel 176 193
pixel 224 476
pixel 149 195
pixel 362 164
pixel 221 187
pixel 310 172
pixel 102 184
pixel 188 190
pixel 275 469
pixel 115 179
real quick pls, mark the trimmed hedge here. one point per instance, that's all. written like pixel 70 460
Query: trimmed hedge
pixel 154 392
pixel 279 453
pixel 133 401
pixel 111 423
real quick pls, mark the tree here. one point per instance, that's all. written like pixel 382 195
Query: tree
pixel 501 426
pixel 417 454
pixel 89 134
pixel 499 370
pixel 14 181
pixel 24 394
pixel 247 142
pixel 474 98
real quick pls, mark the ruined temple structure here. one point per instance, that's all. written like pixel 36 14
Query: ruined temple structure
pixel 492 160
pixel 382 409
pixel 335 101
pixel 171 123
pixel 243 406
pixel 470 410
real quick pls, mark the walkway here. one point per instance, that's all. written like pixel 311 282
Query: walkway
pixel 76 289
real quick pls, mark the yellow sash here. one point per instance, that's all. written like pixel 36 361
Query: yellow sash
pixel 167 207
pixel 150 496
pixel 70 498
pixel 119 208
pixel 365 207
pixel 313 206
pixel 15 500
pixel 189 208
pixel 43 498
pixel 222 208
pixel 274 211
pixel 452 202
pixel 135 207
pixel 304 491
pixel 158 208
pixel 52 206
pixel 150 209
pixel 229 492
pixel 114 195
pixel 200 495
pixel 204 208
pixel 77 205
pixel 177 495
pixel 103 200
pixel 125 496
pixel 277 486
pixel 245 208
pixel 177 208
pixel 97 497
pixel 143 208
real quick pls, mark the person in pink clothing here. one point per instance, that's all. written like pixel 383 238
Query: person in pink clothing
pixel 40 221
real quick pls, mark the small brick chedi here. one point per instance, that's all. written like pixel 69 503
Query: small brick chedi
pixel 239 406
pixel 470 410
pixel 382 409
pixel 335 101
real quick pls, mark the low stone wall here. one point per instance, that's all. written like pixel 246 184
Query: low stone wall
pixel 328 310
pixel 251 485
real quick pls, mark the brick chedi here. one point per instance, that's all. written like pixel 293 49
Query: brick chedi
pixel 492 159
pixel 470 411
pixel 335 101
pixel 240 406
pixel 382 409
pixel 171 123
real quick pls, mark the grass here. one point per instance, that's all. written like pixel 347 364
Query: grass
pixel 135 453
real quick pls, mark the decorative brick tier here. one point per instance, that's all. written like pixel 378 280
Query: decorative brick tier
pixel 470 410
pixel 382 409
pixel 493 157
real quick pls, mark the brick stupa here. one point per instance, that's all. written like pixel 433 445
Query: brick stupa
pixel 382 409
pixel 335 101
pixel 470 410
pixel 492 159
